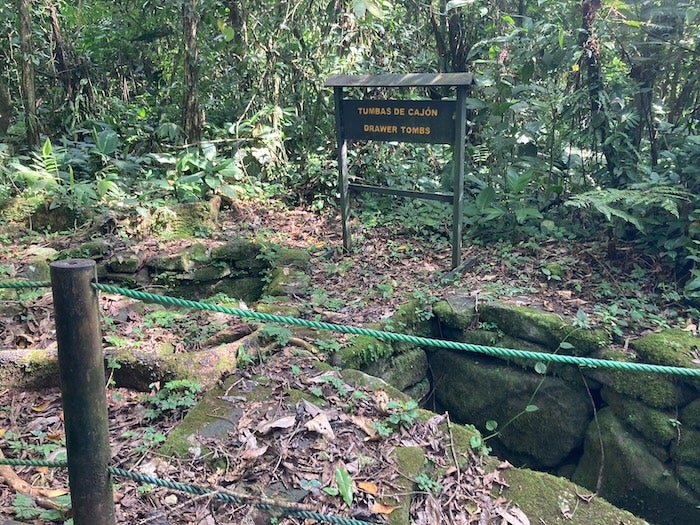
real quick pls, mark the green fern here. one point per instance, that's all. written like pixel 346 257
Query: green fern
pixel 631 204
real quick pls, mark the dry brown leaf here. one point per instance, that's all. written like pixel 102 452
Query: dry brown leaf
pixel 381 398
pixel 380 508
pixel 265 427
pixel 321 425
pixel 515 516
pixel 566 294
pixel 368 487
pixel 41 407
pixel 365 424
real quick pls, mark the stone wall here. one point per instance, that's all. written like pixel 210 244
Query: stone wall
pixel 634 438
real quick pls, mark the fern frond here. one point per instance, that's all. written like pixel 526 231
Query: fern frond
pixel 631 204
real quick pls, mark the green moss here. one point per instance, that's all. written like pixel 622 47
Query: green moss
pixel 277 309
pixel 690 415
pixel 543 498
pixel 236 250
pixel 654 425
pixel 95 249
pixel 364 350
pixel 248 289
pixel 184 260
pixel 543 328
pixel 412 318
pixel 691 476
pixel 21 208
pixel 182 220
pixel 283 256
pixel 409 462
pixel 401 371
pixel 287 281
pixel 670 347
pixel 455 315
pixel 686 450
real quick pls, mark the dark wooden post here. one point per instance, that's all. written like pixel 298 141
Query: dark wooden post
pixel 343 181
pixel 81 367
pixel 458 163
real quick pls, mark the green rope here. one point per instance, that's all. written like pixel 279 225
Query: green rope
pixel 197 491
pixel 404 338
pixel 33 463
pixel 230 498
pixel 25 284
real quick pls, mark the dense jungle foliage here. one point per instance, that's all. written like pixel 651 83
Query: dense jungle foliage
pixel 583 118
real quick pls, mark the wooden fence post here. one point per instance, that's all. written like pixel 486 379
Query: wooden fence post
pixel 82 374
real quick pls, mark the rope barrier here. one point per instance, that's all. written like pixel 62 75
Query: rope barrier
pixel 24 284
pixel 587 362
pixel 198 491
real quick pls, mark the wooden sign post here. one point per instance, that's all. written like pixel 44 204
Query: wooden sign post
pixel 427 121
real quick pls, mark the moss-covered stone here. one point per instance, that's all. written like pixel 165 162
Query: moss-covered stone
pixel 211 272
pixel 656 390
pixel 182 220
pixel 364 350
pixel 125 263
pixel 414 317
pixel 670 347
pixel 286 281
pixel 456 311
pixel 93 249
pixel 21 208
pixel 655 425
pixel 690 415
pixel 236 249
pixel 478 389
pixel 548 499
pixel 543 328
pixel 211 417
pixel 291 257
pixel 686 449
pixel 409 462
pixel 403 370
pixel 690 476
pixel 248 289
pixel 277 309
pixel 632 477
pixel 187 259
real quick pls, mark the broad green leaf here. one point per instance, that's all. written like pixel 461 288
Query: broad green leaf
pixel 491 425
pixel 540 368
pixel 106 141
pixel 344 482
pixel 531 408
pixel 564 345
pixel 485 197
pixel 522 214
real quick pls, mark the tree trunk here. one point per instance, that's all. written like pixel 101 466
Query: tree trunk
pixel 191 114
pixel 5 108
pixel 28 88
pixel 591 51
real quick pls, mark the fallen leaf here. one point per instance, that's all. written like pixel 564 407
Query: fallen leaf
pixel 321 425
pixel 381 398
pixel 265 427
pixel 515 516
pixel 380 508
pixel 41 407
pixel 368 487
pixel 365 424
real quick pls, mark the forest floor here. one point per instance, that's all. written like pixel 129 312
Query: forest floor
pixel 390 264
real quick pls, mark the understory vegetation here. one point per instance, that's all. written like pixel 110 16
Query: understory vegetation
pixel 582 119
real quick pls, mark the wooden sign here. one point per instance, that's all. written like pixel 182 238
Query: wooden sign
pixel 428 121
